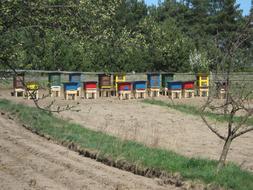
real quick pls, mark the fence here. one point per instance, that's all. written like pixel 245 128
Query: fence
pixel 42 77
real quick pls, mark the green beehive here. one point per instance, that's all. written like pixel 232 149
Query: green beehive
pixel 167 77
pixel 54 79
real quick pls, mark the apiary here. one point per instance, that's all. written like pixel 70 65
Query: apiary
pixel 90 85
pixel 32 90
pixel 154 80
pixel 188 89
pixel 54 80
pixel 118 78
pixel 139 88
pixel 174 85
pixel 90 88
pixel 76 77
pixel 19 80
pixel 124 90
pixel 174 89
pixel 71 89
pixel 70 86
pixel 202 80
pixel 221 89
pixel 18 84
pixel 105 85
pixel 167 77
pixel 202 85
pixel 104 81
pixel 153 84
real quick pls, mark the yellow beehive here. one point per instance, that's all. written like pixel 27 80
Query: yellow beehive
pixel 118 78
pixel 203 81
pixel 32 86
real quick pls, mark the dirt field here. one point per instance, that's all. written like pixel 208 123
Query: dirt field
pixel 30 162
pixel 156 126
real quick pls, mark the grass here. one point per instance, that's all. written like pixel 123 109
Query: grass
pixel 112 147
pixel 188 109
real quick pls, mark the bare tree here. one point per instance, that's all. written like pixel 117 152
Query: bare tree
pixel 236 108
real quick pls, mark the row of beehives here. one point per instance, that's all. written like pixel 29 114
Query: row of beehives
pixel 155 84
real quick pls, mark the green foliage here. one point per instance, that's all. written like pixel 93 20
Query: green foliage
pixel 119 35
pixel 135 153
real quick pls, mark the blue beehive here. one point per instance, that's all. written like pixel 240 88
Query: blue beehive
pixel 174 85
pixel 71 86
pixel 75 77
pixel 139 85
pixel 154 80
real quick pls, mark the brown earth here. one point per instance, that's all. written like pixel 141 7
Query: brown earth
pixel 28 161
pixel 154 126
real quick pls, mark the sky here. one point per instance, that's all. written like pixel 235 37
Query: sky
pixel 244 4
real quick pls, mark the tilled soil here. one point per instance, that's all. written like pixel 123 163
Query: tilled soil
pixel 155 126
pixel 161 127
pixel 28 161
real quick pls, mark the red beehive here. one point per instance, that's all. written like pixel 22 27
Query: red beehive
pixel 90 85
pixel 188 85
pixel 124 86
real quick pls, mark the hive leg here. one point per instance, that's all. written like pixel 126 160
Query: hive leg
pixel 179 95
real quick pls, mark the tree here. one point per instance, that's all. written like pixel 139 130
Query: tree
pixel 235 108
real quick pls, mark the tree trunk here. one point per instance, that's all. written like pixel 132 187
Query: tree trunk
pixel 224 153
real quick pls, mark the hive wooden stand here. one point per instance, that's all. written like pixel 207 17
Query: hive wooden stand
pixel 32 94
pixel 106 92
pixel 188 93
pixel 125 94
pixel 140 94
pixel 175 94
pixel 78 91
pixel 154 92
pixel 164 91
pixel 92 92
pixel 72 93
pixel 19 91
pixel 55 91
pixel 203 92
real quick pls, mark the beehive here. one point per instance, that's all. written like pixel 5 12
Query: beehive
pixel 221 89
pixel 154 80
pixel 90 85
pixel 104 81
pixel 118 78
pixel 19 80
pixel 71 86
pixel 174 85
pixel 167 77
pixel 32 85
pixel 54 79
pixel 75 77
pixel 202 81
pixel 124 86
pixel 188 85
pixel 139 85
